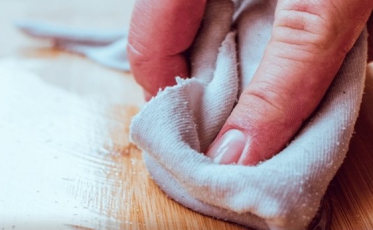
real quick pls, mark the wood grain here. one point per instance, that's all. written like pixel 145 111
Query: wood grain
pixel 109 185
pixel 351 192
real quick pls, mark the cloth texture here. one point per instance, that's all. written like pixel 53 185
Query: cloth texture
pixel 176 127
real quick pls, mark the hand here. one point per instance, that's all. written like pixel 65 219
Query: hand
pixel 309 42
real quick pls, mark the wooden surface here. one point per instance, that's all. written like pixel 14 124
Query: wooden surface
pixel 65 157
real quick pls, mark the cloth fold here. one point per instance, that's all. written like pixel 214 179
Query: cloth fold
pixel 175 128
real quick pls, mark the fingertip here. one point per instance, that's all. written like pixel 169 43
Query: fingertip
pixel 228 148
pixel 147 96
pixel 157 72
pixel 260 132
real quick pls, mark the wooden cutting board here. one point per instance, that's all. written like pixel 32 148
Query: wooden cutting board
pixel 65 157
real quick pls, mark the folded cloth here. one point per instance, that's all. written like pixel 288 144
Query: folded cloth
pixel 175 128
pixel 105 47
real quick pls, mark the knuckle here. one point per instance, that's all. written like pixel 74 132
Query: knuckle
pixel 310 25
pixel 266 98
pixel 139 61
pixel 261 109
pixel 137 52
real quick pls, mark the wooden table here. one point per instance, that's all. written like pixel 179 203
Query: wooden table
pixel 65 157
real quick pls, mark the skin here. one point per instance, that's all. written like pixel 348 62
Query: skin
pixel 160 33
pixel 309 38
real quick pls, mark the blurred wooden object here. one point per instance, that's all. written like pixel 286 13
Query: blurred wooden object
pixel 109 187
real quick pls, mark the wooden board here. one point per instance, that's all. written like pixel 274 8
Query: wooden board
pixel 66 160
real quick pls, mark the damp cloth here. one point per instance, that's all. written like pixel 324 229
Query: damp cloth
pixel 106 47
pixel 177 126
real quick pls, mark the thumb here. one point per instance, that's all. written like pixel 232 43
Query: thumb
pixel 309 42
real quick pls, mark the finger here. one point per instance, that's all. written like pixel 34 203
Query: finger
pixel 161 31
pixel 309 42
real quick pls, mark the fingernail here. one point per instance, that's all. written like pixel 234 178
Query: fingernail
pixel 229 148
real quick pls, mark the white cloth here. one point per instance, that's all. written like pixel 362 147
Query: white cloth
pixel 102 46
pixel 176 126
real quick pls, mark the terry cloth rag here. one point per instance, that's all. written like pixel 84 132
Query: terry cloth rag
pixel 177 126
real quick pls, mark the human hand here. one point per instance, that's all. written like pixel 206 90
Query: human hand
pixel 310 40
